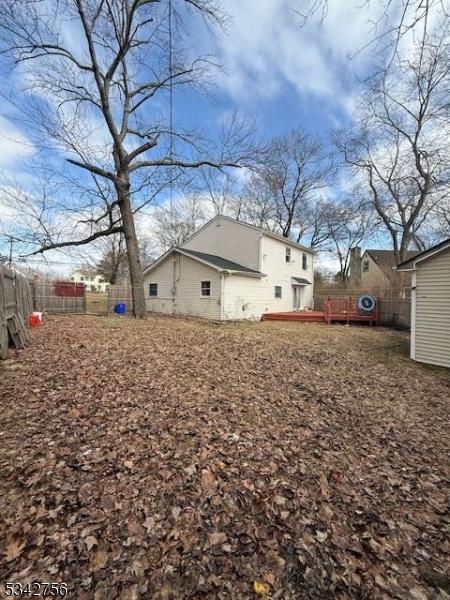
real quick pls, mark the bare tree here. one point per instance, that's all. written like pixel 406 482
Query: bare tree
pixel 399 145
pixel 285 186
pixel 395 21
pixel 221 193
pixel 178 221
pixel 349 223
pixel 440 223
pixel 96 94
pixel 113 265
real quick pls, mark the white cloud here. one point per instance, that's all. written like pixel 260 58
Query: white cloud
pixel 14 145
pixel 266 47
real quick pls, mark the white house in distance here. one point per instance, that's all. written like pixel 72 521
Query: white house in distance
pixel 231 270
pixel 92 280
pixel 430 304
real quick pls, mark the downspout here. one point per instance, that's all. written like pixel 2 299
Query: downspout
pixel 174 284
pixel 260 253
pixel 413 314
pixel 222 296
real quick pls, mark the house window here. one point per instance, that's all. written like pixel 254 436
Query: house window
pixel 152 289
pixel 206 288
pixel 278 291
pixel 365 266
pixel 304 262
pixel 288 255
pixel 81 278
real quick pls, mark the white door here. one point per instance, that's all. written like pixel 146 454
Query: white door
pixel 297 297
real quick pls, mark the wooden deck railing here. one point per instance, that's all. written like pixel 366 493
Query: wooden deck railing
pixel 346 309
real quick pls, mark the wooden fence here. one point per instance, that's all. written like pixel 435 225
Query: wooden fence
pixel 58 296
pixel 120 294
pixel 15 300
pixel 68 297
pixel 395 313
pixel 394 303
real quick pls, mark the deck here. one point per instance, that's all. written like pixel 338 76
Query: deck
pixel 316 316
pixel 311 316
pixel 344 310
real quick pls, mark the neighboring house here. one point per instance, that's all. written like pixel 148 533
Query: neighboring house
pixel 377 269
pixel 231 270
pixel 430 304
pixel 92 280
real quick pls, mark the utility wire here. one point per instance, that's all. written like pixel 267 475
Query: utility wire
pixel 170 108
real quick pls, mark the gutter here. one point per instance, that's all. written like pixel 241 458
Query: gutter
pixel 243 273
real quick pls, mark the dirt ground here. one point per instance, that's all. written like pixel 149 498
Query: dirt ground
pixel 172 458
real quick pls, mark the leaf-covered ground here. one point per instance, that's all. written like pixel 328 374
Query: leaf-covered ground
pixel 171 458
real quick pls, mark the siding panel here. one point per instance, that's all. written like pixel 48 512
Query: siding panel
pixel 432 337
pixel 179 285
pixel 248 298
pixel 228 239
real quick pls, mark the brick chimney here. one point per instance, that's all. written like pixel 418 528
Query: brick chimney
pixel 355 265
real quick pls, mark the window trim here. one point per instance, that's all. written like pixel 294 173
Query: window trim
pixel 365 266
pixel 304 261
pixel 150 295
pixel 206 288
pixel 278 287
pixel 288 255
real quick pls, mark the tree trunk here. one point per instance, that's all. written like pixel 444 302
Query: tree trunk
pixel 113 278
pixel 404 245
pixel 134 263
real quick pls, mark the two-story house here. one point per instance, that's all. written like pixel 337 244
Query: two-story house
pixel 231 270
pixel 93 281
pixel 377 269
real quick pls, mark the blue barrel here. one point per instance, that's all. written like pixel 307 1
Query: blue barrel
pixel 120 308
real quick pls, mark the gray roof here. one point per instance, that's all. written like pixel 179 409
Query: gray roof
pixel 409 263
pixel 301 280
pixel 219 262
pixel 386 258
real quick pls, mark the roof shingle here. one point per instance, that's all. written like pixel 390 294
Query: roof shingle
pixel 385 259
pixel 218 261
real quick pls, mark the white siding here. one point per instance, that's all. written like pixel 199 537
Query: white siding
pixel 279 272
pixel 249 298
pixel 228 239
pixel 179 288
pixel 432 316
pixel 163 275
pixel 245 298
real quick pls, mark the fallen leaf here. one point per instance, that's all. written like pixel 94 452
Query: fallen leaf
pixel 259 588
pixel 14 549
pixel 99 560
pixel 279 500
pixel 208 481
pixel 217 538
pixel 176 511
pixel 417 594
pixel 275 560
pixel 324 485
pixel 90 542
pixel 321 535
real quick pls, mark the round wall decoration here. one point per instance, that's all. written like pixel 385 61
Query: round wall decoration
pixel 366 303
